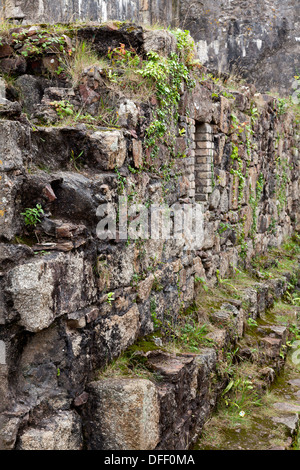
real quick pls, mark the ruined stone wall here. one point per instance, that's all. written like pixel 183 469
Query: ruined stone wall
pixel 70 302
pixel 242 38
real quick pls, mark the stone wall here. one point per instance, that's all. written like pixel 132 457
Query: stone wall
pixel 164 12
pixel 71 302
pixel 258 40
pixel 242 38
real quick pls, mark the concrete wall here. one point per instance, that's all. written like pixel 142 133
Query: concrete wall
pixel 256 39
pixel 145 11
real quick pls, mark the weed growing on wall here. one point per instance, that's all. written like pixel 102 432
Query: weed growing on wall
pixel 168 74
pixel 32 215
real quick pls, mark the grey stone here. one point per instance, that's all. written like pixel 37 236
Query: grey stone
pixel 160 41
pixel 208 356
pixel 295 383
pixel 222 44
pixel 33 289
pixel 9 427
pixel 290 421
pixel 224 202
pixel 109 149
pixel 14 145
pixel 2 352
pixel 30 90
pixel 128 114
pixel 214 199
pixel 287 407
pixel 10 219
pixel 123 414
pixel 59 432
pixel 119 332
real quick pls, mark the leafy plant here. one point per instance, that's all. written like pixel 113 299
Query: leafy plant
pixel 32 215
pixel 120 56
pixel 185 45
pixel 110 298
pixel 240 394
pixel 282 106
pixel 252 322
pixel 191 335
pixel 63 108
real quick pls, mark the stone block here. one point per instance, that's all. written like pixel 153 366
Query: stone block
pixel 108 148
pixel 119 332
pixel 137 152
pixel 10 220
pixel 45 289
pixel 204 144
pixel 14 145
pixel 205 137
pixel 59 432
pixel 2 353
pixel 123 414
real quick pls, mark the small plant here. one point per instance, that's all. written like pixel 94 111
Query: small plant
pixel 254 114
pixel 110 298
pixel 293 298
pixel 74 159
pixel 242 395
pixel 202 281
pixel 191 335
pixel 81 58
pixel 228 95
pixel 224 281
pixel 32 216
pixel 120 56
pixel 121 181
pixel 295 331
pixel 252 322
pixel 156 322
pixel 63 108
pixel 282 106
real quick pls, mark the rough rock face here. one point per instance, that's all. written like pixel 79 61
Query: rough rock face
pixel 126 415
pixel 71 301
pixel 62 432
pixel 254 39
pixel 164 11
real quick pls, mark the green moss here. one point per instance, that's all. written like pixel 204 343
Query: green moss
pixel 24 241
pixel 133 361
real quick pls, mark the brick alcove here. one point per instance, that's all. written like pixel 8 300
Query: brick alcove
pixel 203 161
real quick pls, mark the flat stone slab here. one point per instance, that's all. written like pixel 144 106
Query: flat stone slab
pixel 168 365
pixel 290 421
pixel 295 382
pixel 287 407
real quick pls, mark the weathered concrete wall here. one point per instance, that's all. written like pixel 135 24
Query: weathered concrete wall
pixel 259 40
pixel 238 156
pixel 146 11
